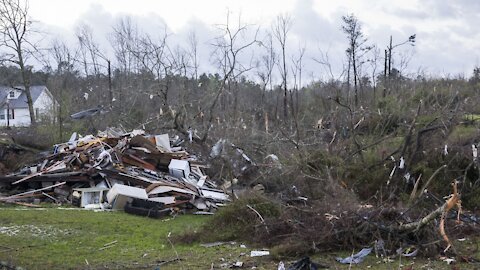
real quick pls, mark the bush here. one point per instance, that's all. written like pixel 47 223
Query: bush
pixel 237 221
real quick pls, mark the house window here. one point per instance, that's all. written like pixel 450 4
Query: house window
pixel 11 114
pixel 12 94
pixel 2 115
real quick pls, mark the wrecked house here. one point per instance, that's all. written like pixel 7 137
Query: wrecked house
pixel 117 170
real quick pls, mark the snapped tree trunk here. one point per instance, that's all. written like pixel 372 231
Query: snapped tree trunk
pixel 390 58
pixel 110 87
pixel 355 77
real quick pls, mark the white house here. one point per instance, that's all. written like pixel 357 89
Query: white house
pixel 14 101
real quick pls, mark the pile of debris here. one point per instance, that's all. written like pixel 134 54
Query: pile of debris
pixel 143 174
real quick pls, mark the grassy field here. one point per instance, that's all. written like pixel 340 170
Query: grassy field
pixel 69 238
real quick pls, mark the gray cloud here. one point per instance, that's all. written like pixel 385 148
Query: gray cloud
pixel 409 13
pixel 447 37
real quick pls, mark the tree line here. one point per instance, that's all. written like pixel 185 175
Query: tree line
pixel 152 83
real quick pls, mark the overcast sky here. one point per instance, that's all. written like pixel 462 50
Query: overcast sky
pixel 448 39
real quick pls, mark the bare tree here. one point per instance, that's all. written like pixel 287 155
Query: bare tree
pixel 375 56
pixel 153 56
pixel 324 61
pixel 64 68
pixel 297 75
pixel 266 64
pixel 388 64
pixel 281 27
pixel 123 39
pixel 15 30
pixel 90 48
pixel 193 51
pixel 389 51
pixel 356 47
pixel 228 46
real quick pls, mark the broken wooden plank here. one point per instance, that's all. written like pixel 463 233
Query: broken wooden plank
pixel 138 162
pixel 32 191
pixel 27 177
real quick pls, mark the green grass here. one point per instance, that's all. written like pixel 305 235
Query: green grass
pixel 68 238
pixel 53 238
pixel 463 134
pixel 471 117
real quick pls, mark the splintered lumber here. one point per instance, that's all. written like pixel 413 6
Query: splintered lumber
pixel 24 204
pixel 27 177
pixel 66 176
pixel 135 161
pixel 55 167
pixel 124 176
pixel 453 201
pixel 32 191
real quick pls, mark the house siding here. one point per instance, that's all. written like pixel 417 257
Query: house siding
pixel 43 107
pixel 21 118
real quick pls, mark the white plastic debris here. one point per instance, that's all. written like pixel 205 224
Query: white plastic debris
pixel 104 155
pixel 356 258
pixel 151 96
pixel 217 148
pixel 393 171
pixel 474 152
pixel 448 260
pixel 190 135
pixel 244 156
pixel 179 168
pixel 103 159
pixel 85 96
pixel 238 264
pixel 73 137
pixel 137 132
pixel 259 253
pixel 273 160
pixel 93 206
pixel 391 174
pixel 281 266
pixel 407 177
pixel 163 142
pixel 445 150
pixel 410 254
pixel 402 163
